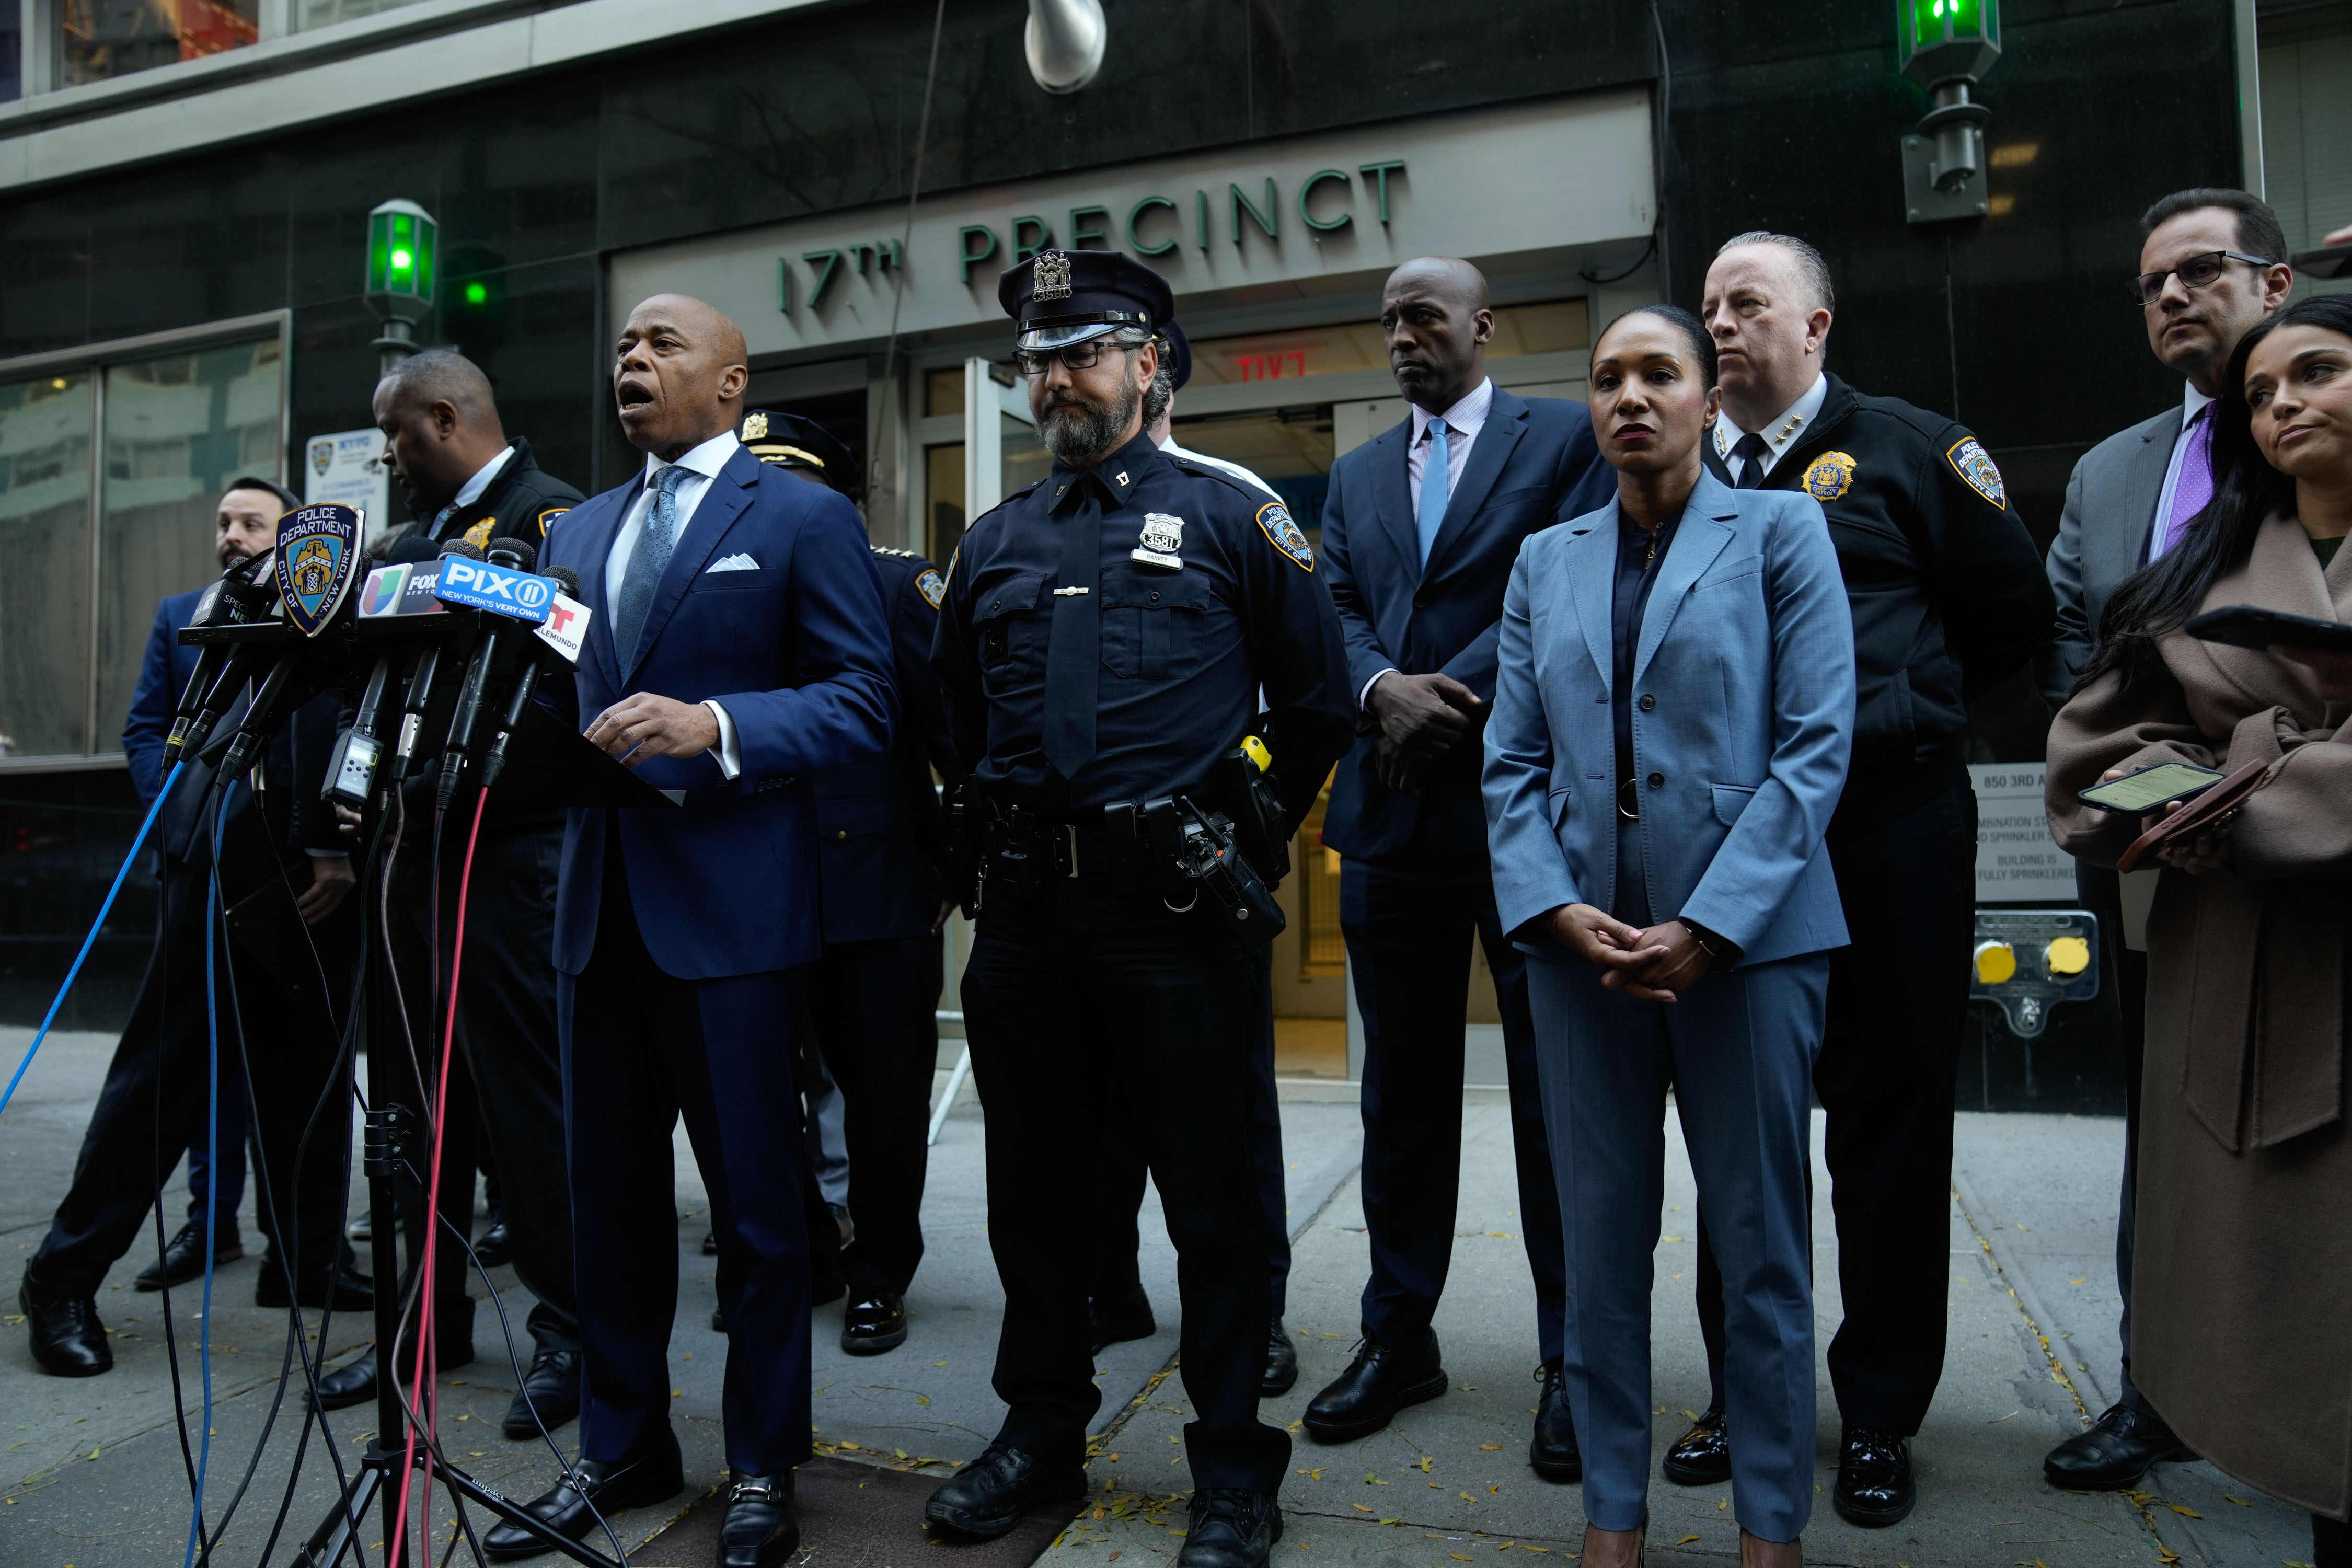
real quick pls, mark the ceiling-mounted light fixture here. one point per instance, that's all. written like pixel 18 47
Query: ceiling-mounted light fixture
pixel 1064 41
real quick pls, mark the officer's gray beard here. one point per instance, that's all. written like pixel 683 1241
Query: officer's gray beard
pixel 1083 435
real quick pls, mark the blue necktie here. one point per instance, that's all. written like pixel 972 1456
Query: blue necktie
pixel 648 558
pixel 1433 488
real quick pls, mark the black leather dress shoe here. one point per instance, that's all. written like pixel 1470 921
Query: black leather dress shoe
pixel 1702 1456
pixel 718 1320
pixel 572 1506
pixel 988 1496
pixel 1232 1527
pixel 353 1291
pixel 872 1324
pixel 355 1381
pixel 709 1243
pixel 1281 1363
pixel 2115 1452
pixel 761 1528
pixel 1125 1316
pixel 68 1338
pixel 1381 1381
pixel 183 1256
pixel 1874 1488
pixel 495 1247
pixel 550 1389
pixel 1552 1452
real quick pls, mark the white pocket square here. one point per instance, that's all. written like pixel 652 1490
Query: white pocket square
pixel 734 563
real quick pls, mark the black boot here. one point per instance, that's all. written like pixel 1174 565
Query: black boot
pixel 2115 1452
pixel 1281 1363
pixel 572 1506
pixel 1702 1456
pixel 1232 1527
pixel 762 1528
pixel 1381 1381
pixel 1875 1485
pixel 988 1496
pixel 550 1392
pixel 68 1338
pixel 1552 1453
pixel 1113 1318
pixel 184 1255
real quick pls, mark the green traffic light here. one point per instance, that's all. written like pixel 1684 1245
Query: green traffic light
pixel 400 260
pixel 477 292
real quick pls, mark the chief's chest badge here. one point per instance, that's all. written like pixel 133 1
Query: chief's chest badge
pixel 1829 475
pixel 1163 536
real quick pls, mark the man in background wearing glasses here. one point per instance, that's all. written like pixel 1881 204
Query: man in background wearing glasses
pixel 2208 273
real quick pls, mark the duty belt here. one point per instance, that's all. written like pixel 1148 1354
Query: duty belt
pixel 1022 850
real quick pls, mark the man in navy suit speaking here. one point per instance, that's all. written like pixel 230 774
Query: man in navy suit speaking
pixel 737 644
pixel 1420 529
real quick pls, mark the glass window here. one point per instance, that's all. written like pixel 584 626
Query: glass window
pixel 2307 75
pixel 12 52
pixel 310 13
pixel 943 391
pixel 178 430
pixel 45 434
pixel 99 40
pixel 943 498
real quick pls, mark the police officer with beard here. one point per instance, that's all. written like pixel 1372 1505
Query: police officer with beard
pixel 1103 640
pixel 464 480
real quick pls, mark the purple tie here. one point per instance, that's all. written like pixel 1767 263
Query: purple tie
pixel 2195 487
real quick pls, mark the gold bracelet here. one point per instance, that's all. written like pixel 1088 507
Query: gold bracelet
pixel 1699 937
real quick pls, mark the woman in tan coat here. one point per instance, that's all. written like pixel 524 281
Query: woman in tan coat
pixel 2242 1321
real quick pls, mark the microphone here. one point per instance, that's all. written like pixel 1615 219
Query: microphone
pixel 350 774
pixel 526 685
pixel 420 685
pixel 222 670
pixel 518 555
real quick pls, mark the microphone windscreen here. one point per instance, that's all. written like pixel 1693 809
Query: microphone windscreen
pixel 466 548
pixel 520 549
pixel 411 547
pixel 566 576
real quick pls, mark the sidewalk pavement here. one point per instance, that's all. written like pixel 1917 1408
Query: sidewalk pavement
pixel 94 1473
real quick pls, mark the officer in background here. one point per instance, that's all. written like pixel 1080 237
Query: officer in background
pixel 882 863
pixel 1104 639
pixel 1948 598
pixel 1118 1307
pixel 464 479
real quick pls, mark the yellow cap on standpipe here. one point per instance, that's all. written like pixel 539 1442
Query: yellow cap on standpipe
pixel 2068 954
pixel 1996 962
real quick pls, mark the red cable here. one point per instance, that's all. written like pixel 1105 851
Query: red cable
pixel 418 1384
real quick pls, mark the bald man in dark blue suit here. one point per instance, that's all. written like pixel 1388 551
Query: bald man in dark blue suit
pixel 738 645
pixel 1419 530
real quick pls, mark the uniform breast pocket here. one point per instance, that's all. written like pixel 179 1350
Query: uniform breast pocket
pixel 1010 626
pixel 1151 626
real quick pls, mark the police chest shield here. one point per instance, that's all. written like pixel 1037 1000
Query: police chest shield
pixel 1163 536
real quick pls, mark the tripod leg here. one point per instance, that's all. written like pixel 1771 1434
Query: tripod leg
pixel 514 1513
pixel 330 1541
pixel 388 1131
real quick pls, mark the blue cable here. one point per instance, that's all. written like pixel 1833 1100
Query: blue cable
pixel 87 942
pixel 211 1169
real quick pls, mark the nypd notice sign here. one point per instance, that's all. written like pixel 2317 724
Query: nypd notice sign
pixel 479 586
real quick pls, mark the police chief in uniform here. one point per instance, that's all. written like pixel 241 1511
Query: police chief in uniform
pixel 1948 598
pixel 1103 642
pixel 873 995
pixel 466 479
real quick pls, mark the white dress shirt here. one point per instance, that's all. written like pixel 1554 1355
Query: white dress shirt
pixel 2192 402
pixel 1206 461
pixel 1463 423
pixel 1778 436
pixel 471 490
pixel 702 465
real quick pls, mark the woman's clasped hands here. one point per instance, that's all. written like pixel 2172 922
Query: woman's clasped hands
pixel 1652 965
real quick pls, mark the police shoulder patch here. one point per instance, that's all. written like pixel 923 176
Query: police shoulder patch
pixel 931 587
pixel 1975 466
pixel 1274 520
pixel 1828 476
pixel 548 516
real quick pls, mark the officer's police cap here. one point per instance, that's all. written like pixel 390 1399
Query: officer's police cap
pixel 1180 354
pixel 796 441
pixel 1063 297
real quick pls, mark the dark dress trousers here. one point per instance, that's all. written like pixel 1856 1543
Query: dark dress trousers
pixel 1949 599
pixel 1413 881
pixel 1089 990
pixel 683 938
pixel 509 1099
pixel 154 1103
pixel 874 997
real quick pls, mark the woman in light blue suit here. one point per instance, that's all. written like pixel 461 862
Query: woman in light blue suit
pixel 1669 738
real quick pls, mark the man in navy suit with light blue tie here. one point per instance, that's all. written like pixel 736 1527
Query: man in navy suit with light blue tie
pixel 1420 530
pixel 737 644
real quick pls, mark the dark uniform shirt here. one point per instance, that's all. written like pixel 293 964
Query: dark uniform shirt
pixel 1184 652
pixel 1948 593
pixel 520 502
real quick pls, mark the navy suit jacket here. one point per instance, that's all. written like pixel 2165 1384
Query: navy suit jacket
pixel 163 675
pixel 797 650
pixel 1533 463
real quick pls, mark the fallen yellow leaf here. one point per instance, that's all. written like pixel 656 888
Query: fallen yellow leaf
pixel 1686 1540
pixel 1491 1447
pixel 2179 1508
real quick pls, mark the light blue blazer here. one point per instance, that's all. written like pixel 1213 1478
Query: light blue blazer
pixel 1747 644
